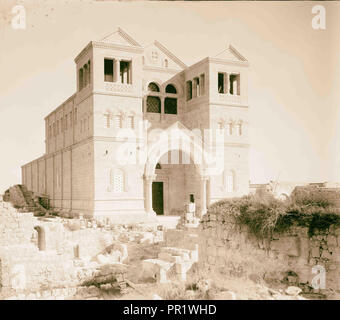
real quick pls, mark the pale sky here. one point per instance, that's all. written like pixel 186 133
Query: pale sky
pixel 294 75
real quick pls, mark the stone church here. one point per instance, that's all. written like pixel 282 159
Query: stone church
pixel 145 134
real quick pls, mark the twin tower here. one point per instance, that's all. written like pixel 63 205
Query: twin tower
pixel 137 138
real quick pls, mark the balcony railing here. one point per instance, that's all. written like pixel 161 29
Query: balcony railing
pixel 117 87
pixel 231 98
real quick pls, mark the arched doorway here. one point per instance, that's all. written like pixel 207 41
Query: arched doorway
pixel 183 151
pixel 41 238
pixel 174 181
pixel 176 178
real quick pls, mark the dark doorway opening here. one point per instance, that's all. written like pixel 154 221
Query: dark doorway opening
pixel 41 238
pixel 157 197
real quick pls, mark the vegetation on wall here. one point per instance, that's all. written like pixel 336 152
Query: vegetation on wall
pixel 265 215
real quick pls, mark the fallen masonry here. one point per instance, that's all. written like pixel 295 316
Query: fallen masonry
pixel 60 258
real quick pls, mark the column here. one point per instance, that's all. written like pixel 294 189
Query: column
pixel 116 71
pixel 208 192
pixel 144 105
pixel 203 195
pixel 162 116
pixel 227 83
pixel 148 194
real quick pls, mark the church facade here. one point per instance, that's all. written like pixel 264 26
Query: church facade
pixel 145 134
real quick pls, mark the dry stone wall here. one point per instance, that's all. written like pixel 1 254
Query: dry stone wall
pixel 294 255
pixel 43 256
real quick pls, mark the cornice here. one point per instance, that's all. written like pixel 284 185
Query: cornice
pixel 228 62
pixel 106 45
pixel 160 69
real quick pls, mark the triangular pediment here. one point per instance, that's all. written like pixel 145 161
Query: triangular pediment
pixel 156 55
pixel 183 130
pixel 120 37
pixel 231 54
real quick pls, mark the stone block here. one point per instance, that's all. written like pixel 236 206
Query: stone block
pixel 304 247
pixel 326 255
pixel 332 241
pixel 293 291
pixel 157 267
pixel 194 254
pixel 315 252
pixel 182 268
pixel 211 259
pixel 221 252
pixel 287 245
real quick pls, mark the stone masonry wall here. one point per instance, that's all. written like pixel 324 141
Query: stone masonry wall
pixel 229 248
pixel 23 266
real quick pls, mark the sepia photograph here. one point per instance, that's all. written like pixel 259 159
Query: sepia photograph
pixel 169 150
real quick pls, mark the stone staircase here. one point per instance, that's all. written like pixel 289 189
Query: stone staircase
pixel 23 199
pixel 28 196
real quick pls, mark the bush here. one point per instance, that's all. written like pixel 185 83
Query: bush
pixel 310 197
pixel 263 216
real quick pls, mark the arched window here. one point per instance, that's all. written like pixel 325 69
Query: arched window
pixel 189 90
pixel 166 63
pixel 153 87
pixel 86 75
pixel 170 104
pixel 153 104
pixel 170 89
pixel 117 180
pixel 81 78
pixel 158 166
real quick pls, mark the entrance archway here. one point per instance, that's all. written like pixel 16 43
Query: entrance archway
pixel 190 148
pixel 174 181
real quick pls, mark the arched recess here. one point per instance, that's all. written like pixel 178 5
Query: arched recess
pixel 170 88
pixel 41 237
pixel 154 87
pixel 170 101
pixel 149 83
pixel 177 85
pixel 153 98
pixel 161 146
pixel 156 152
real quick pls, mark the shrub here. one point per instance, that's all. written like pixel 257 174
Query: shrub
pixel 263 216
pixel 311 197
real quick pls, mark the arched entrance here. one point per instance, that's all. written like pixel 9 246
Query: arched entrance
pixel 173 180
pixel 176 183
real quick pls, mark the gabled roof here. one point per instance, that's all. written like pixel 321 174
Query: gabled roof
pixel 231 54
pixel 167 53
pixel 120 37
pixel 185 130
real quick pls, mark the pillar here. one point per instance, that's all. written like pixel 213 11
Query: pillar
pixel 208 192
pixel 203 195
pixel 116 70
pixel 148 194
pixel 227 82
pixel 162 109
